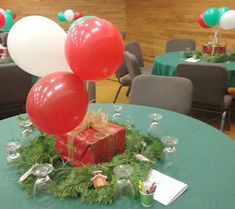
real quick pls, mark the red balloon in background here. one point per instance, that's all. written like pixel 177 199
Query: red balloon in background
pixel 57 103
pixel 94 49
pixel 2 20
pixel 202 22
pixel 14 15
pixel 77 15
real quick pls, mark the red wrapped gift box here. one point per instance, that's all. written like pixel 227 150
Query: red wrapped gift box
pixel 208 48
pixel 91 146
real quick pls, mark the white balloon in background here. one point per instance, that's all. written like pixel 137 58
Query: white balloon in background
pixel 36 44
pixel 69 14
pixel 227 20
pixel 2 11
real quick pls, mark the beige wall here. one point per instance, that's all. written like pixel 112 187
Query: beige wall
pixel 112 10
pixel 150 22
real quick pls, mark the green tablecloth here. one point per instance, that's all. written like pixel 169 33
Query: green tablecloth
pixel 204 160
pixel 165 64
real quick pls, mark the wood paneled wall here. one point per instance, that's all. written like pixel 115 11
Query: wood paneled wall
pixel 150 22
pixel 112 10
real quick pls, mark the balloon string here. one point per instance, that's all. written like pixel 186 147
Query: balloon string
pixel 215 39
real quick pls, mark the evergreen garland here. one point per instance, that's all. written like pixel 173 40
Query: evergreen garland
pixel 72 182
pixel 212 58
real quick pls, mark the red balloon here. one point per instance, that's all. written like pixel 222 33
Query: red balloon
pixel 2 20
pixel 77 15
pixel 57 103
pixel 94 49
pixel 202 22
pixel 14 15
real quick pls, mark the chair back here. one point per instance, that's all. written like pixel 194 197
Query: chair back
pixel 179 44
pixel 209 81
pixel 123 34
pixel 122 70
pixel 3 38
pixel 134 48
pixel 91 89
pixel 132 64
pixel 14 87
pixel 172 93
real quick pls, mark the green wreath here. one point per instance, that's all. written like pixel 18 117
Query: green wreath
pixel 71 182
pixel 212 58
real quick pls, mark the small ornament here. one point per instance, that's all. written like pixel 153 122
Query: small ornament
pixel 143 158
pixel 27 173
pixel 98 179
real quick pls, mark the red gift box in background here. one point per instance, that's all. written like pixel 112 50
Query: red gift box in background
pixel 219 49
pixel 91 146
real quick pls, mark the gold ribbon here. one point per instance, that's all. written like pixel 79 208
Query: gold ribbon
pixel 215 40
pixel 96 120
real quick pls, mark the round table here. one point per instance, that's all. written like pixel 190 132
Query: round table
pixel 165 64
pixel 204 160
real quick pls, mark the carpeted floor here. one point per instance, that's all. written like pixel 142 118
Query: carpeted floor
pixel 106 91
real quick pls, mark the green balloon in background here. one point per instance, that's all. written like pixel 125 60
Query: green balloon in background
pixel 9 12
pixel 211 16
pixel 61 17
pixel 79 20
pixel 9 22
pixel 222 10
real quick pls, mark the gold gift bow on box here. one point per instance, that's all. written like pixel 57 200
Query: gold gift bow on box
pixel 97 120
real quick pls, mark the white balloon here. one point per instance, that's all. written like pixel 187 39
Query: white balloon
pixel 227 20
pixel 69 14
pixel 2 11
pixel 36 44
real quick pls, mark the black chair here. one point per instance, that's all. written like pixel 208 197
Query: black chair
pixel 91 89
pixel 123 34
pixel 210 88
pixel 3 38
pixel 123 78
pixel 180 44
pixel 172 93
pixel 134 48
pixel 14 87
pixel 131 66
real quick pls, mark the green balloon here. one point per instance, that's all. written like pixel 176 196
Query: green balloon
pixel 211 16
pixel 79 20
pixel 9 22
pixel 9 12
pixel 61 17
pixel 222 10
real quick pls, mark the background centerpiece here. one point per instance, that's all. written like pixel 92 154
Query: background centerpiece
pixel 215 49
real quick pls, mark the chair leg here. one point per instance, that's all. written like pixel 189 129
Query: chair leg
pixel 119 89
pixel 223 120
pixel 228 121
pixel 128 91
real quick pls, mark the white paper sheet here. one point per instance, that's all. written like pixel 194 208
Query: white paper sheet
pixel 168 188
pixel 191 59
